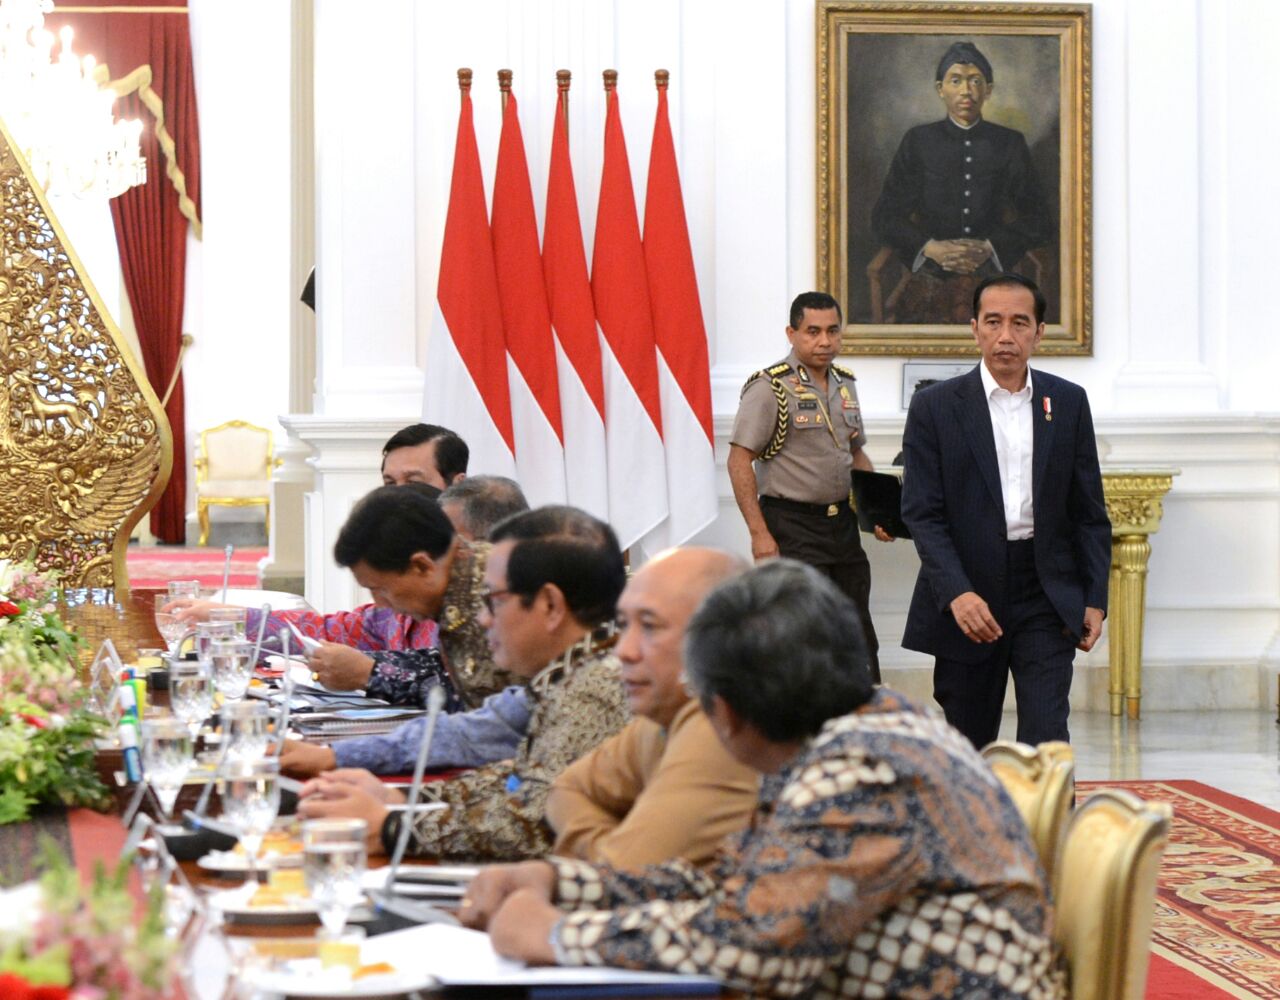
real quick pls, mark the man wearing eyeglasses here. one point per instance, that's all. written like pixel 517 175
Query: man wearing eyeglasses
pixel 552 583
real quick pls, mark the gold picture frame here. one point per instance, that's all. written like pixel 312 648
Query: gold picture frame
pixel 888 169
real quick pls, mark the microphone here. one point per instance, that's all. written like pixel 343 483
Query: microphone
pixel 412 909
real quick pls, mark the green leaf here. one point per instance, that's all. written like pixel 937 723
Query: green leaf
pixel 15 804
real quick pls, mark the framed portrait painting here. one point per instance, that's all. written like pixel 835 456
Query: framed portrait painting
pixel 953 144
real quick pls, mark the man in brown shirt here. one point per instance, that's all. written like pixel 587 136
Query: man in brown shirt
pixel 796 438
pixel 664 787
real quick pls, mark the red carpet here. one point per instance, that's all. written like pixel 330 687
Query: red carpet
pixel 155 566
pixel 1217 923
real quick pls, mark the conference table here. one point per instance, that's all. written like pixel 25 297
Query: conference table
pixel 89 837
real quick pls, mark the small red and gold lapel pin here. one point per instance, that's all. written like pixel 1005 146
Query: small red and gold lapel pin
pixel 1048 408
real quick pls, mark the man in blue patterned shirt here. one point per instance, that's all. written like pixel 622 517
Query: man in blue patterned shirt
pixel 884 858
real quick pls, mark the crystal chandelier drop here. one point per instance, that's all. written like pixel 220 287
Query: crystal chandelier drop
pixel 58 113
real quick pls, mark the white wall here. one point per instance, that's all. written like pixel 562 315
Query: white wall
pixel 1184 205
pixel 238 287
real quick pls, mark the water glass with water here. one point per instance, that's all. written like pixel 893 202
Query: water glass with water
pixel 236 616
pixel 232 661
pixel 207 631
pixel 184 588
pixel 246 728
pixel 167 624
pixel 334 858
pixel 250 801
pixel 191 692
pixel 167 754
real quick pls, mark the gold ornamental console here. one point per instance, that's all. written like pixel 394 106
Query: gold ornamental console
pixel 85 448
pixel 1134 499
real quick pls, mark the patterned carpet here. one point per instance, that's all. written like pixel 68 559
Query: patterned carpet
pixel 156 565
pixel 1217 923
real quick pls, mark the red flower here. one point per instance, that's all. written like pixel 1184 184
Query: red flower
pixel 14 987
pixel 9 610
pixel 39 722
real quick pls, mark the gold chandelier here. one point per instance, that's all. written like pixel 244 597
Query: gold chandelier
pixel 58 111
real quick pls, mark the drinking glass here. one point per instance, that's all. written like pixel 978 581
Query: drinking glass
pixel 246 728
pixel 184 588
pixel 333 857
pixel 191 692
pixel 167 624
pixel 250 801
pixel 232 661
pixel 236 616
pixel 207 631
pixel 167 753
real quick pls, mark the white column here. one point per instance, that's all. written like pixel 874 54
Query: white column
pixel 346 458
pixel 285 563
pixel 1167 369
pixel 364 95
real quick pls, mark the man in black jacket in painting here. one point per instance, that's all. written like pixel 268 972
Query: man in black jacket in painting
pixel 961 201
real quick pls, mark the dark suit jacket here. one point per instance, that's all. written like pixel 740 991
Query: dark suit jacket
pixel 940 170
pixel 952 502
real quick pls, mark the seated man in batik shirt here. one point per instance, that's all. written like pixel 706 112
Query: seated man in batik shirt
pixel 551 588
pixel 375 647
pixel 884 859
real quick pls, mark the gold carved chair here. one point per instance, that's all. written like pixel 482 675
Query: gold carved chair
pixel 233 469
pixel 1041 782
pixel 1104 892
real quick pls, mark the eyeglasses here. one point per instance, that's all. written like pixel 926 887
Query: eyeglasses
pixel 488 597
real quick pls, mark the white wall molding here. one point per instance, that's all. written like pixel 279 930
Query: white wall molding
pixel 1213 621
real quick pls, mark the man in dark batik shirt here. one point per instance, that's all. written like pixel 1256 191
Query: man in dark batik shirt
pixel 884 859
pixel 962 200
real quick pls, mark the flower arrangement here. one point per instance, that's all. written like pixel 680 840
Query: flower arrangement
pixel 68 943
pixel 46 733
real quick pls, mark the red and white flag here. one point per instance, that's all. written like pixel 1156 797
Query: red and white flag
pixel 684 375
pixel 633 407
pixel 573 319
pixel 466 383
pixel 535 390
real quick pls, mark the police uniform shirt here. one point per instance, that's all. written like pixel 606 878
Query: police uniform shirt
pixel 815 459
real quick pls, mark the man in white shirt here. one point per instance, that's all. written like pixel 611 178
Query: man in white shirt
pixel 1003 496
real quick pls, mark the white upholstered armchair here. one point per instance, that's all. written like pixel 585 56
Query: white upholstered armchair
pixel 233 469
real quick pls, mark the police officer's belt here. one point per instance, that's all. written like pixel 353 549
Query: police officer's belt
pixel 811 509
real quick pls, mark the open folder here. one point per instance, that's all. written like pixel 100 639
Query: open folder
pixel 878 497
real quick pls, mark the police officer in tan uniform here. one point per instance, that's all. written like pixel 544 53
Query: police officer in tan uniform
pixel 797 436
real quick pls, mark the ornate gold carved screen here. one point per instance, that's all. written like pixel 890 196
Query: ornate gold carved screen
pixel 85 448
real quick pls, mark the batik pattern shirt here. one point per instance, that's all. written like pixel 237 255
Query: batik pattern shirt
pixel 369 628
pixel 466 650
pixel 496 812
pixel 407 677
pixel 884 861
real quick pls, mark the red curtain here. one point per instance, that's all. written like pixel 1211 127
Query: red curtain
pixel 151 227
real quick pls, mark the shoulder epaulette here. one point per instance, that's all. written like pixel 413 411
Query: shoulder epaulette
pixel 772 372
pixel 845 372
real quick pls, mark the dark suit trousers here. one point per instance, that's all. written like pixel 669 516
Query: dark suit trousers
pixel 832 546
pixel 1035 647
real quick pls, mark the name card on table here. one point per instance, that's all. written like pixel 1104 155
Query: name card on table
pixel 104 679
